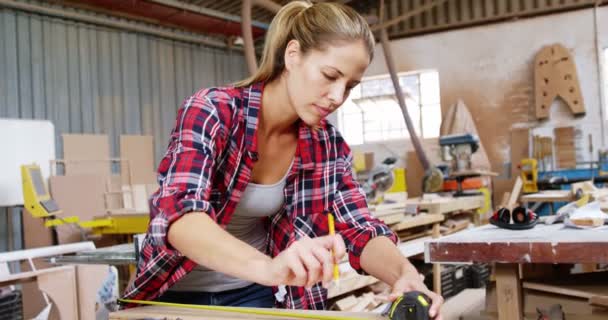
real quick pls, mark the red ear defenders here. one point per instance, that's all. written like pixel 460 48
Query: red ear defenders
pixel 523 218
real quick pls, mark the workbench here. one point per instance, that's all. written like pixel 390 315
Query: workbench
pixel 171 313
pixel 552 244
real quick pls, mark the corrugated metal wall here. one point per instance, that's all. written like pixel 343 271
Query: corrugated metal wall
pixel 90 79
pixel 452 14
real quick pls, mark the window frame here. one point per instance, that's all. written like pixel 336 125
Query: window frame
pixel 419 105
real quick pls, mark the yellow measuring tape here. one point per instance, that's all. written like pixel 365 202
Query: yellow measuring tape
pixel 256 311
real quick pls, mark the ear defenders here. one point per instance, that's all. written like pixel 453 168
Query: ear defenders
pixel 523 218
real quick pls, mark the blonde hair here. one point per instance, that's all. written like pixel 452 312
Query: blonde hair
pixel 314 26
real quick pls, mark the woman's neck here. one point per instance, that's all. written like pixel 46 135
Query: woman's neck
pixel 277 115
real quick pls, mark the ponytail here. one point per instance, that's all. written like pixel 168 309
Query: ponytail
pixel 314 27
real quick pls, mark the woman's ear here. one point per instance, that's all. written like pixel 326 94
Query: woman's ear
pixel 292 54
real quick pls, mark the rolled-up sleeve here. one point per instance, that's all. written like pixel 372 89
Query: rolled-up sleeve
pixel 186 171
pixel 353 219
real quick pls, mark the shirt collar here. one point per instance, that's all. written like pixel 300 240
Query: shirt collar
pixel 307 137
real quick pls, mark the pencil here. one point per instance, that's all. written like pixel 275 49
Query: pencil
pixel 332 231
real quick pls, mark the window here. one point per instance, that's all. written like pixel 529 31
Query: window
pixel 372 112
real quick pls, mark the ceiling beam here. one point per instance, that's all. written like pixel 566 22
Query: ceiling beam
pixel 407 15
pixel 104 21
pixel 206 11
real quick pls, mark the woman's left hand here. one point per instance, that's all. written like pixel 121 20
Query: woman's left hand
pixel 411 280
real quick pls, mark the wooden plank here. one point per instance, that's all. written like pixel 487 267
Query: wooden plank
pixel 549 196
pixel 599 301
pixel 541 244
pixel 349 282
pixel 417 221
pixel 436 266
pixel 514 196
pixel 86 154
pixel 171 313
pixel 89 279
pixel 557 289
pixel 509 294
pixel 447 205
pixel 139 152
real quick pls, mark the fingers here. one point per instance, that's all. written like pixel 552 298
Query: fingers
pixel 437 301
pixel 339 248
pixel 311 260
pixel 313 266
pixel 299 274
pixel 327 264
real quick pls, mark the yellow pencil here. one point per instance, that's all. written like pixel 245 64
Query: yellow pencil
pixel 332 231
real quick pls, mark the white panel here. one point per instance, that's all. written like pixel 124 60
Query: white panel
pixel 23 142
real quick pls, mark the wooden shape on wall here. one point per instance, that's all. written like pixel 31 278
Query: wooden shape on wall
pixel 555 76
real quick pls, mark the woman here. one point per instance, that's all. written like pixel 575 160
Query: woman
pixel 252 171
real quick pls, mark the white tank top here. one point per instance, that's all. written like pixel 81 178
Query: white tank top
pixel 258 201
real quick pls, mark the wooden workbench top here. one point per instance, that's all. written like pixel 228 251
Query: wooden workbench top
pixel 541 244
pixel 171 313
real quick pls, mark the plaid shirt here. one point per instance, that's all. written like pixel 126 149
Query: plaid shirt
pixel 207 166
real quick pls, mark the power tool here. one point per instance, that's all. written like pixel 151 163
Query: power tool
pixel 413 305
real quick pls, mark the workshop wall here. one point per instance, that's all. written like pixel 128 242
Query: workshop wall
pixel 491 68
pixel 91 79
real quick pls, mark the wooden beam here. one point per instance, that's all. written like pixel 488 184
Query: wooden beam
pixel 508 289
pixel 408 15
pixel 268 5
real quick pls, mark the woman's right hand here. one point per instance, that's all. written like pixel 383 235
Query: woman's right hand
pixel 306 262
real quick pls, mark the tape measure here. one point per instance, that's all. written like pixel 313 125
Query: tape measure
pixel 411 306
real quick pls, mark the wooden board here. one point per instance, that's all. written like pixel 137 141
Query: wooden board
pixel 565 150
pixel 508 291
pixel 349 282
pixel 77 195
pixel 555 75
pixel 86 154
pixel 542 244
pixel 139 152
pixel 169 313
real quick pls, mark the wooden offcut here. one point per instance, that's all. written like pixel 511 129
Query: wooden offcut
pixel 555 76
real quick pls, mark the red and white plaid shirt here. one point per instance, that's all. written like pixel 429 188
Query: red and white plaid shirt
pixel 207 166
